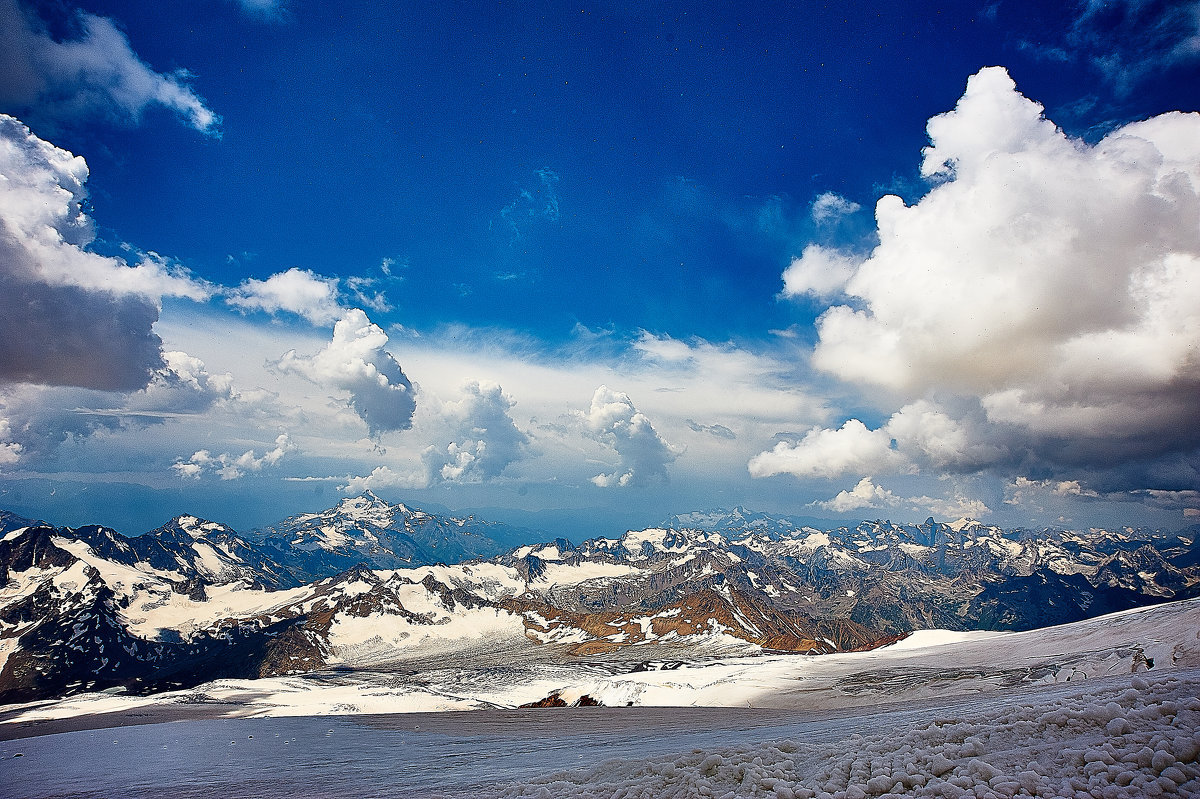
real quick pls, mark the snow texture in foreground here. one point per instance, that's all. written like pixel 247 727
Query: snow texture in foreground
pixel 1140 741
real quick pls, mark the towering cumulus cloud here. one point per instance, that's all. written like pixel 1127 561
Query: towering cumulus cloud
pixel 644 455
pixel 1041 302
pixel 71 317
pixel 485 441
pixel 355 361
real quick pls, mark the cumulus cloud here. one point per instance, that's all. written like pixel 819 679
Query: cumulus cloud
pixel 1024 491
pixel 232 467
pixel 486 440
pixel 819 271
pixel 72 317
pixel 355 361
pixel 93 72
pixel 822 452
pixel 36 419
pixel 182 385
pixel 643 454
pixel 864 495
pixel 955 507
pixel 1038 262
pixel 385 477
pixel 298 291
pixel 1040 304
pixel 10 450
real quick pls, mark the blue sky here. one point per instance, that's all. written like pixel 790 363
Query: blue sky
pixel 611 260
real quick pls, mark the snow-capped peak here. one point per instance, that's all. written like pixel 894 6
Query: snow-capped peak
pixel 197 527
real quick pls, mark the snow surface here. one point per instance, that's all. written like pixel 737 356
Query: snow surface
pixel 563 574
pixel 11 534
pixel 935 666
pixel 1124 743
pixel 1070 711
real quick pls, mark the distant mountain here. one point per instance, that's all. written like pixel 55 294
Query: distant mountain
pixel 368 530
pixel 375 585
pixel 739 520
pixel 10 521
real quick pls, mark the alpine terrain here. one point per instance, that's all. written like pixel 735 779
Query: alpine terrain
pixel 385 587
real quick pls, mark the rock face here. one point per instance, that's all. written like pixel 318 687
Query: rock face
pixel 357 586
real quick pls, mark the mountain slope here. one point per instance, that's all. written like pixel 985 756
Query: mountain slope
pixel 86 608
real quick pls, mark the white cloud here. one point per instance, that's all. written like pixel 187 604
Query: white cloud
pixel 10 449
pixel 822 452
pixel 262 9
pixel 95 72
pixel 1036 254
pixel 643 454
pixel 931 436
pixel 1187 500
pixel 486 440
pixel 956 507
pixel 830 207
pixel 182 385
pixel 355 361
pixel 298 291
pixel 72 317
pixel 864 495
pixel 36 420
pixel 232 467
pixel 1023 491
pixel 820 271
pixel 382 477
pixel 1040 304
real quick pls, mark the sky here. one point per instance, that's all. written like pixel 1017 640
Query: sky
pixel 585 266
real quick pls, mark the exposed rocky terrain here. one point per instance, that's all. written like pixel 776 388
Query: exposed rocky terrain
pixel 357 586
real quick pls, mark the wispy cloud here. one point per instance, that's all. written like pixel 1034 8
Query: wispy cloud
pixel 263 9
pixel 715 430
pixel 92 73
pixel 533 204
pixel 1128 41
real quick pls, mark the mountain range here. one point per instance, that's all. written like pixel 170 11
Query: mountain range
pixel 374 585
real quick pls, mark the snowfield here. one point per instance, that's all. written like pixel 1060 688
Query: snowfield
pixel 1118 743
pixel 1108 707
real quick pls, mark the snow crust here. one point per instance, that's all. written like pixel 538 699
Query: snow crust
pixel 563 574
pixel 1124 742
pixel 920 639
